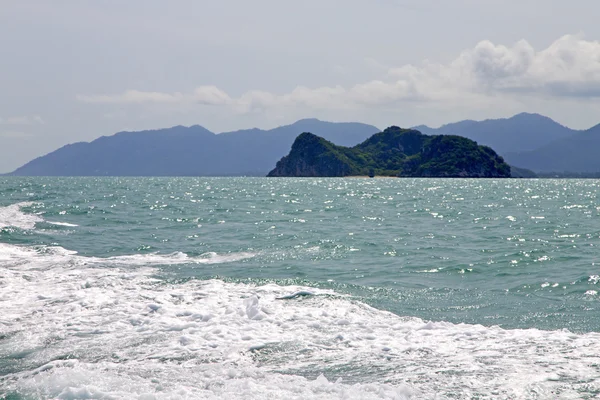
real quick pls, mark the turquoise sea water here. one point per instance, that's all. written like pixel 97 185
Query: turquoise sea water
pixel 299 288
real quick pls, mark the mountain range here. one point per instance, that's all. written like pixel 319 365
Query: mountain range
pixel 525 140
pixel 187 151
pixel 577 153
pixel 532 141
pixel 522 132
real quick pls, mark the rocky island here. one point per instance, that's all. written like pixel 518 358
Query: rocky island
pixel 393 152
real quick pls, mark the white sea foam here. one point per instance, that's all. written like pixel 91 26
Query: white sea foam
pixel 82 331
pixel 48 256
pixel 12 216
pixel 170 259
pixel 62 224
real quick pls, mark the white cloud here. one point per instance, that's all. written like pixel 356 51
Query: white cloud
pixel 568 68
pixel 133 97
pixel 491 63
pixel 22 120
pixel 210 95
pixel 15 134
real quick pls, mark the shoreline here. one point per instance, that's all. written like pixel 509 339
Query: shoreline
pixel 370 177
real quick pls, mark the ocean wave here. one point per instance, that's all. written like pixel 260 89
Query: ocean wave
pixel 79 331
pixel 38 257
pixel 12 216
pixel 62 224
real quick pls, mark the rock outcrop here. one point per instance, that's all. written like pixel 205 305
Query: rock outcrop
pixel 393 152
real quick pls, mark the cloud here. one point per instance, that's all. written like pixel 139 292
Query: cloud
pixel 133 97
pixel 208 95
pixel 489 63
pixel 15 134
pixel 22 120
pixel 568 68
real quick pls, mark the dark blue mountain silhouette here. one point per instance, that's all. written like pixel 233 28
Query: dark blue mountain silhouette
pixel 577 153
pixel 522 132
pixel 187 151
pixel 529 141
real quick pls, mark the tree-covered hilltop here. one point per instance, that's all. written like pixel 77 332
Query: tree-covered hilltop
pixel 393 152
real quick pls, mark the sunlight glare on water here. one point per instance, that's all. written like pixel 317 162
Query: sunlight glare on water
pixel 309 288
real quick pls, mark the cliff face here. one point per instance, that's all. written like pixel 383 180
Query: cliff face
pixel 393 152
pixel 312 156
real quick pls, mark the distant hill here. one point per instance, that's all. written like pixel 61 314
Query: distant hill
pixel 393 152
pixel 522 132
pixel 577 153
pixel 529 141
pixel 187 151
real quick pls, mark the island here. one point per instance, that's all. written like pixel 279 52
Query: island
pixel 393 152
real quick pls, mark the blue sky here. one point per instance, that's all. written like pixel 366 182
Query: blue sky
pixel 75 70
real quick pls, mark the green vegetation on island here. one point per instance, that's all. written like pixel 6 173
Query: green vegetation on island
pixel 393 152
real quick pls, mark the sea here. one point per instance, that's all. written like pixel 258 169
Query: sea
pixel 299 288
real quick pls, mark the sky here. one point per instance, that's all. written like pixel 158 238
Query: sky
pixel 76 70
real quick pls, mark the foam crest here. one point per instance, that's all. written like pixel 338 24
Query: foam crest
pixel 118 332
pixel 76 380
pixel 12 216
pixel 37 257
pixel 63 224
pixel 172 259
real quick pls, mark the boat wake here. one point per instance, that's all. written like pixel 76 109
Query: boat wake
pixel 76 327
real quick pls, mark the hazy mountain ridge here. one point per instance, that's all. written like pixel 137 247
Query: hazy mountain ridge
pixel 186 151
pixel 522 132
pixel 578 153
pixel 525 140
